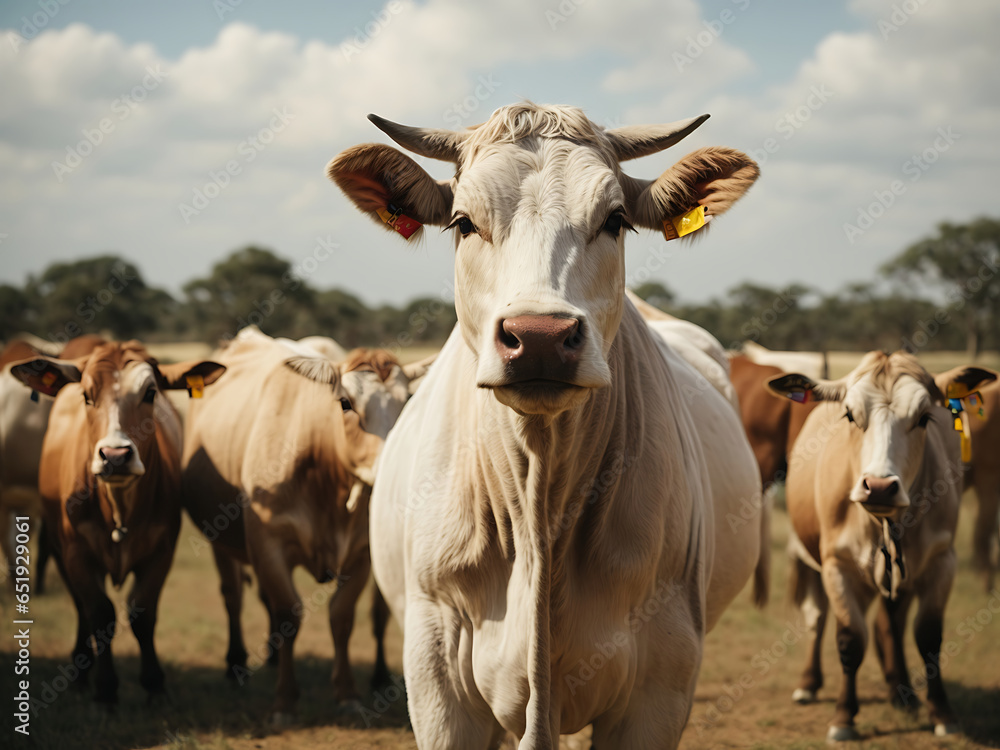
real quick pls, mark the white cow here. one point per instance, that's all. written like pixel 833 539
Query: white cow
pixel 811 364
pixel 558 489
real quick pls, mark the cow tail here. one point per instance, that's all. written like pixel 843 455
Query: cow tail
pixel 762 573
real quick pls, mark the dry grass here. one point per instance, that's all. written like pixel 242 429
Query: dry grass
pixel 208 712
pixel 842 363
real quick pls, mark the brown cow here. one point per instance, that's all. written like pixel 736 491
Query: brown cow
pixel 873 491
pixel 109 480
pixel 277 464
pixel 771 423
pixel 983 473
pixel 24 417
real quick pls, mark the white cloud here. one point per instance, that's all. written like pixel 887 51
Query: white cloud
pixel 421 64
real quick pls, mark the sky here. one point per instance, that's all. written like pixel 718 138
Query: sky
pixel 872 122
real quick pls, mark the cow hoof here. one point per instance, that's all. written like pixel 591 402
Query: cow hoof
pixel 943 730
pixel 803 696
pixel 842 734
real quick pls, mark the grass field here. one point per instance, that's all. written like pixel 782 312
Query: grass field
pixel 751 664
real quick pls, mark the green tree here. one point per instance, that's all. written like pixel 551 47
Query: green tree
pixel 656 294
pixel 961 260
pixel 16 311
pixel 105 294
pixel 252 286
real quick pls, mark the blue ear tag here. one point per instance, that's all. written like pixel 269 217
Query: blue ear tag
pixel 34 395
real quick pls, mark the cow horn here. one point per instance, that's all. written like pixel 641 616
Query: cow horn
pixel 434 143
pixel 634 141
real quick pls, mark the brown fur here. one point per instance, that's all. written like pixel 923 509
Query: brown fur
pixel 379 361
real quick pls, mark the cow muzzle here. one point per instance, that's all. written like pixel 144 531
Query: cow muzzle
pixel 880 496
pixel 539 348
pixel 117 464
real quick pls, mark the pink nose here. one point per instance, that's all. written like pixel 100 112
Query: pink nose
pixel 543 338
pixel 115 459
pixel 880 490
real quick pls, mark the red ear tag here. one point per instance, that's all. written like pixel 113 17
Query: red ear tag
pixel 394 217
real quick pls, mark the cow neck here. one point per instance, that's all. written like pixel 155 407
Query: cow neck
pixel 123 507
pixel 553 463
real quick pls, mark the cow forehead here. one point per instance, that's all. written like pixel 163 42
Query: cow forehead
pixel 536 175
pixel 105 376
pixel 905 396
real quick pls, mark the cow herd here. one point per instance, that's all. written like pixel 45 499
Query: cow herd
pixel 557 481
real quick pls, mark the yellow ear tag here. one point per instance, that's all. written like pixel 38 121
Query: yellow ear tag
pixel 49 378
pixel 966 440
pixel 196 386
pixel 679 226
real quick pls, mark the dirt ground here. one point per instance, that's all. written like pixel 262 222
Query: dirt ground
pixel 751 664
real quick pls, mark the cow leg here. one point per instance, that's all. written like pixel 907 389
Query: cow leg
pixel 83 654
pixel 380 620
pixel 231 577
pixel 890 624
pixel 143 601
pixel 985 531
pixel 442 712
pixel 342 604
pixel 272 651
pixel 927 632
pixel 85 580
pixel 274 576
pixel 849 605
pixel 813 604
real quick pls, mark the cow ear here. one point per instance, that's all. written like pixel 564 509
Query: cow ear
pixel 175 377
pixel 802 389
pixel 391 188
pixel 962 381
pixel 415 372
pixel 46 375
pixel 318 369
pixel 713 177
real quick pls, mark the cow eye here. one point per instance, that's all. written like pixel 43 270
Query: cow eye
pixel 464 224
pixel 615 222
pixel 149 395
pixel 345 404
pixel 924 419
pixel 849 417
pixel 87 399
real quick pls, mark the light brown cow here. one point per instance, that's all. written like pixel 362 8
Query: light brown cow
pixel 277 465
pixel 873 492
pixel 109 480
pixel 24 416
pixel 983 473
pixel 771 423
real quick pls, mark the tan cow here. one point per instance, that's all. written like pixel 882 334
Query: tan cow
pixel 276 465
pixel 24 416
pixel 109 479
pixel 983 473
pixel 873 491
pixel 557 489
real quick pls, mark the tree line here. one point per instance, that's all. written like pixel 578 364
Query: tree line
pixel 942 292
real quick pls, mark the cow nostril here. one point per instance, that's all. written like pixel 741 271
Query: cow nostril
pixel 506 337
pixel 115 456
pixel 575 338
